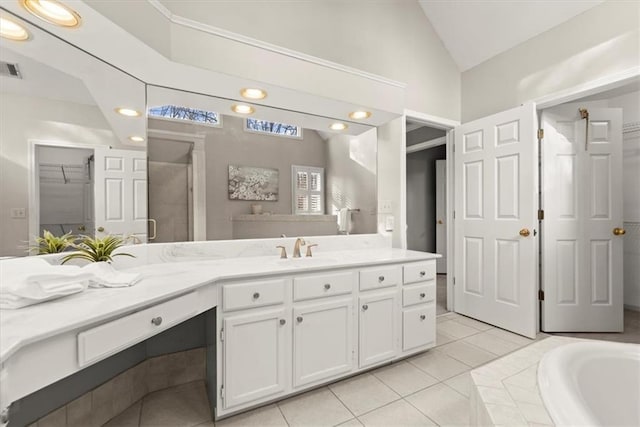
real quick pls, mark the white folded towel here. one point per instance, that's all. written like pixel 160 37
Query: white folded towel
pixel 344 221
pixel 31 280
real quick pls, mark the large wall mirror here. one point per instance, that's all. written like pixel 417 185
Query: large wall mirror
pixel 217 175
pixel 72 162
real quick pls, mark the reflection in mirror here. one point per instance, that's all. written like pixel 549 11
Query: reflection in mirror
pixel 69 162
pixel 215 175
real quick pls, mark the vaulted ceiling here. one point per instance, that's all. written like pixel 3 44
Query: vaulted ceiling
pixel 476 30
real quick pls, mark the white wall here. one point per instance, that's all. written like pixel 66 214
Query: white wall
pixel 351 178
pixel 601 41
pixel 24 119
pixel 392 180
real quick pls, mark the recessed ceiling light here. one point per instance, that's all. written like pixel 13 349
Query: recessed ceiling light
pixel 359 115
pixel 129 112
pixel 242 108
pixel 338 126
pixel 136 138
pixel 53 12
pixel 253 93
pixel 11 30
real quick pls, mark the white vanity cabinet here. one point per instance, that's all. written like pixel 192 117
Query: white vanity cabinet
pixel 282 335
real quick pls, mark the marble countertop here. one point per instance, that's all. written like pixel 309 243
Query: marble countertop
pixel 162 281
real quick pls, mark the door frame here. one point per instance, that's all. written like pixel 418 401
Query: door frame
pixel 34 176
pixel 447 125
pixel 198 172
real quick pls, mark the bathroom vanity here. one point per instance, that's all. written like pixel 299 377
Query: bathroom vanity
pixel 283 325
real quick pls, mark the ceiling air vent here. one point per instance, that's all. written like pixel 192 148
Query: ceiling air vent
pixel 10 70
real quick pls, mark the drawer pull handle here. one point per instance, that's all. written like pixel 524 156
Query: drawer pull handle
pixel 422 317
pixel 256 295
pixel 365 307
pixel 157 321
pixel 327 286
pixel 422 273
pixel 380 278
pixel 283 321
pixel 299 319
pixel 422 295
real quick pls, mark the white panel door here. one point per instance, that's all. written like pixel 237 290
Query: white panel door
pixel 441 215
pixel 322 341
pixel 378 327
pixel 582 202
pixel 121 193
pixel 495 219
pixel 255 356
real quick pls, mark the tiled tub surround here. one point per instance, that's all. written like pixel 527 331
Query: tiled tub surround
pixel 125 391
pixel 506 393
pixel 181 279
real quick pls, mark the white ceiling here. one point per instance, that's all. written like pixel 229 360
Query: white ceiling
pixel 476 30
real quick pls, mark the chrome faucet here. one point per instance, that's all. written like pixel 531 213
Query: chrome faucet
pixel 296 248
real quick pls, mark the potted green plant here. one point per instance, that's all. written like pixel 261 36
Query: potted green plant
pixel 50 244
pixel 97 249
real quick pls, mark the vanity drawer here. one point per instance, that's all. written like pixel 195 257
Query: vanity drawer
pixel 253 294
pixel 419 272
pixel 322 285
pixel 97 343
pixel 418 294
pixel 380 277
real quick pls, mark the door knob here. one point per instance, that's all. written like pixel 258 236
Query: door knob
pixel 439 221
pixel 525 232
pixel 100 229
pixel 619 231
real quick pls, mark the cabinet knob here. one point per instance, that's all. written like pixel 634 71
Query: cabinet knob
pixel 422 317
pixel 256 295
pixel 299 319
pixel 327 286
pixel 283 321
pixel 422 273
pixel 157 321
pixel 365 307
pixel 422 295
pixel 380 278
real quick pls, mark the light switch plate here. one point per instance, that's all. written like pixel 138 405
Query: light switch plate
pixel 385 207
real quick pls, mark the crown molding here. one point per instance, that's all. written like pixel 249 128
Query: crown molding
pixel 229 35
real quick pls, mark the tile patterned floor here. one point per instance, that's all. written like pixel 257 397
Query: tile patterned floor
pixel 429 389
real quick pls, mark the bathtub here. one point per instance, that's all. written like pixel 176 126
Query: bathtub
pixel 592 383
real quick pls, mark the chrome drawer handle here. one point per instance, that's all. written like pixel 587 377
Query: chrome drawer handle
pixel 422 295
pixel 365 307
pixel 422 317
pixel 256 295
pixel 327 286
pixel 299 319
pixel 380 278
pixel 283 321
pixel 157 321
pixel 422 273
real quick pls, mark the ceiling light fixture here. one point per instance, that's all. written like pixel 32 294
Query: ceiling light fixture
pixel 242 108
pixel 11 30
pixel 253 93
pixel 359 115
pixel 136 138
pixel 53 12
pixel 338 126
pixel 129 112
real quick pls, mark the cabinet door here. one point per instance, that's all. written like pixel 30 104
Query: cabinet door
pixel 418 327
pixel 255 350
pixel 378 327
pixel 322 341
